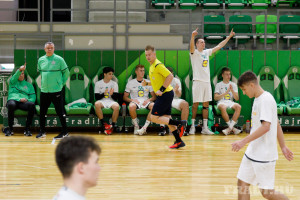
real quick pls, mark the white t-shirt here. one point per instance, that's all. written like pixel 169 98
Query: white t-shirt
pixel 101 86
pixel 264 148
pixel 222 87
pixel 200 65
pixel 175 82
pixel 67 194
pixel 137 91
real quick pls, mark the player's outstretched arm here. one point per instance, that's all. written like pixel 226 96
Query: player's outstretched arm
pixel 224 42
pixel 192 42
pixel 288 154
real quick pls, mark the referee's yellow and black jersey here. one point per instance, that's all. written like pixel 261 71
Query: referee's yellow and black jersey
pixel 158 73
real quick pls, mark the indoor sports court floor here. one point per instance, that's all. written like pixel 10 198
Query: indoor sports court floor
pixel 141 167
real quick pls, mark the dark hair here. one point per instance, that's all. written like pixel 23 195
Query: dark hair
pixel 72 150
pixel 196 40
pixel 139 66
pixel 150 47
pixel 170 69
pixel 225 69
pixel 107 70
pixel 246 78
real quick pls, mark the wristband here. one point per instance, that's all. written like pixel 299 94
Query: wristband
pixel 162 89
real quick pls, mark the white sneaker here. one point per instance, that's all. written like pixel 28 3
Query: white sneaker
pixel 206 131
pixel 236 131
pixel 226 131
pixel 192 130
pixel 136 128
pixel 142 131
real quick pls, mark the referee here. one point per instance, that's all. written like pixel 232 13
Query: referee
pixel 54 74
pixel 161 78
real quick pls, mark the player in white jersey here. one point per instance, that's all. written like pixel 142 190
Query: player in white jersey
pixel 258 164
pixel 106 95
pixel 77 159
pixel 177 103
pixel 201 77
pixel 139 98
pixel 225 92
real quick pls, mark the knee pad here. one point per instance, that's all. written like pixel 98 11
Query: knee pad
pixel 205 108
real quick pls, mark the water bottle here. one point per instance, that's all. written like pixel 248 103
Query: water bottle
pixel 248 126
pixel 123 109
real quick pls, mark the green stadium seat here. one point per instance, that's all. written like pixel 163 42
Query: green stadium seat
pixel 290 2
pixel 260 4
pixel 291 90
pixel 290 28
pixel 96 78
pixel 210 29
pixel 212 4
pixel 162 4
pixel 271 28
pixel 29 79
pixel 236 4
pixel 241 28
pixel 217 78
pixel 77 87
pixel 188 4
pixel 270 82
pixel 38 82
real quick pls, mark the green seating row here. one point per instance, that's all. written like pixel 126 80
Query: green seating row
pixel 287 28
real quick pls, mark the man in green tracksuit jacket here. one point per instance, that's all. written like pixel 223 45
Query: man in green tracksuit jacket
pixel 21 95
pixel 54 75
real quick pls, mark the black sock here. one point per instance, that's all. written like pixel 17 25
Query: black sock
pixel 102 122
pixel 176 135
pixel 174 122
pixel 113 124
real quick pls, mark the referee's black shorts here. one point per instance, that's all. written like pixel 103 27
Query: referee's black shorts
pixel 163 104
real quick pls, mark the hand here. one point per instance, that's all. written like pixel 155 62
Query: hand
pixel 135 101
pixel 288 154
pixel 236 146
pixel 231 88
pixel 195 32
pixel 158 93
pixel 176 88
pixel 146 102
pixel 228 90
pixel 231 33
pixel 23 67
pixel 106 91
pixel 111 91
pixel 144 83
pixel 23 100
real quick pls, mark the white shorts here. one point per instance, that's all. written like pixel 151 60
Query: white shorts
pixel 107 103
pixel 227 103
pixel 140 105
pixel 256 173
pixel 201 92
pixel 176 103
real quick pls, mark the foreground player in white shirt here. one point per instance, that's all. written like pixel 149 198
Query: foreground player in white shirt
pixel 225 92
pixel 139 98
pixel 77 159
pixel 201 77
pixel 258 164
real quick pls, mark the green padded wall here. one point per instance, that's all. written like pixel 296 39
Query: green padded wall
pixel 283 63
pixel 238 61
pixel 246 64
